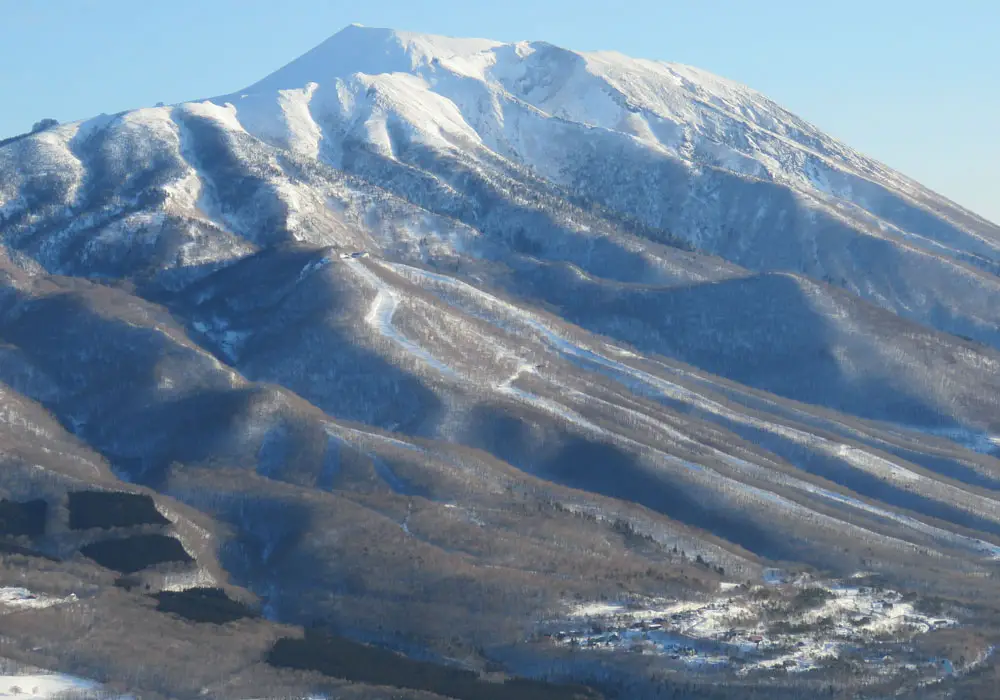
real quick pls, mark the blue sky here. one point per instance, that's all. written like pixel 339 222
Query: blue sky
pixel 913 83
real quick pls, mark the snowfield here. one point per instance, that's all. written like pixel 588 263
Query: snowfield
pixel 743 631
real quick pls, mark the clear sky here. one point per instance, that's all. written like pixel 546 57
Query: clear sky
pixel 913 83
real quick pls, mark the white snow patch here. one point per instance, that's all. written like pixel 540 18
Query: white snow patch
pixel 225 115
pixel 42 685
pixel 733 630
pixel 596 610
pixel 23 599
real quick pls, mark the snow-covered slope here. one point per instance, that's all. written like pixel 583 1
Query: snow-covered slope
pixel 670 154
pixel 492 318
pixel 514 96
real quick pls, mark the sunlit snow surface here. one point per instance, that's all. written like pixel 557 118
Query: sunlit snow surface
pixel 438 194
pixel 22 599
pixel 731 630
pixel 46 686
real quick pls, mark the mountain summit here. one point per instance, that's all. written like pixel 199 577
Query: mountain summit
pixel 669 109
pixel 504 356
pixel 360 49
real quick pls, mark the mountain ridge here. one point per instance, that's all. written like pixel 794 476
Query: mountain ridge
pixel 471 349
pixel 421 50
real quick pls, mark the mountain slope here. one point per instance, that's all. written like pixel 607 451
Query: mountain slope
pixel 709 161
pixel 434 343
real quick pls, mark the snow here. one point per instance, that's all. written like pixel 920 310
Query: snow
pixel 507 316
pixel 601 89
pixel 313 266
pixel 199 578
pixel 530 102
pixel 434 119
pixel 518 98
pixel 224 115
pixel 42 686
pixel 22 599
pixel 373 51
pixel 380 315
pixel 521 369
pixel 230 341
pixel 983 443
pixel 732 630
pixel 596 610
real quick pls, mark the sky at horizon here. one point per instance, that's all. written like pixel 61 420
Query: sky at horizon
pixel 914 84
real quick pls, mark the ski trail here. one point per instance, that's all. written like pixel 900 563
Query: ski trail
pixel 645 383
pixel 648 384
pixel 380 316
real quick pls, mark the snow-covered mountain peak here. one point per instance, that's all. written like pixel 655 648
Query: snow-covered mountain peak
pixel 418 318
pixel 370 50
pixel 686 154
pixel 679 109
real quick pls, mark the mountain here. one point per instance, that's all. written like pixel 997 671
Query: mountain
pixel 502 357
